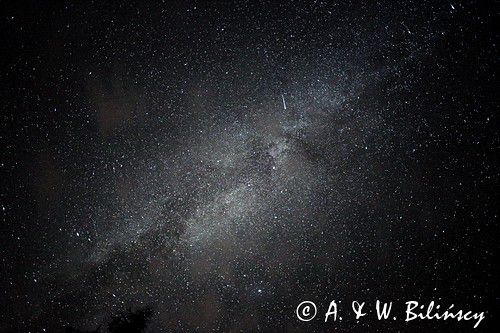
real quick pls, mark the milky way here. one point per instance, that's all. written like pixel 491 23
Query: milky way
pixel 218 164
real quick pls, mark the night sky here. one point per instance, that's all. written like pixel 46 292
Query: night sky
pixel 220 162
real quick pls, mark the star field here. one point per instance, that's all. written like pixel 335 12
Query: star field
pixel 218 163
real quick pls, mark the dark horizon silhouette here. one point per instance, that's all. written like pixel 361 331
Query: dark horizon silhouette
pixel 128 321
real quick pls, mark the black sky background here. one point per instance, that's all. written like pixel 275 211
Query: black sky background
pixel 117 113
